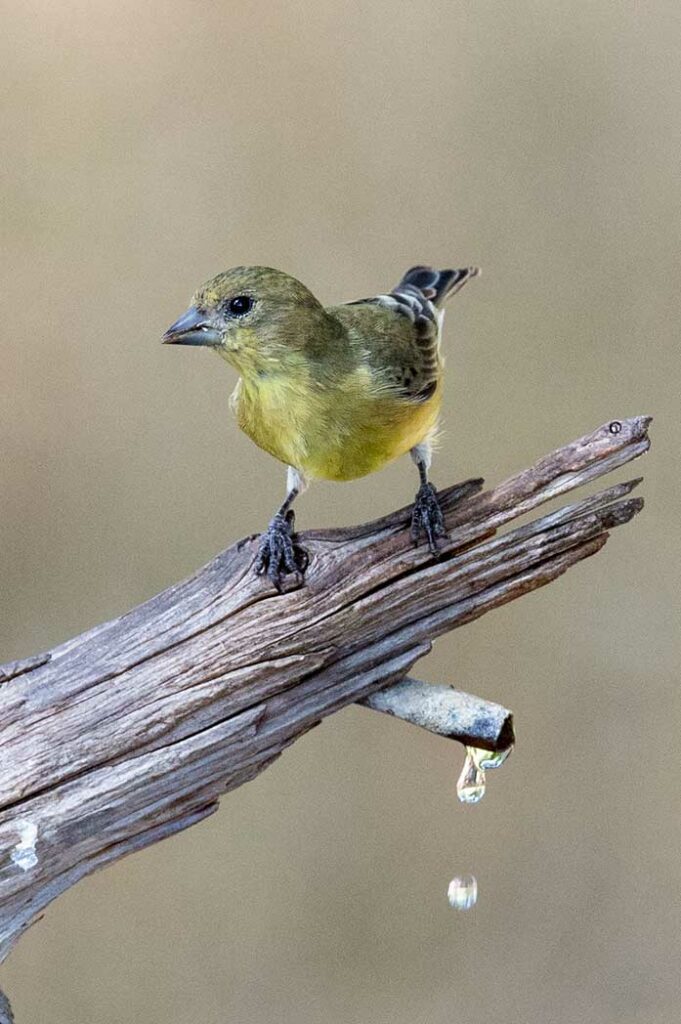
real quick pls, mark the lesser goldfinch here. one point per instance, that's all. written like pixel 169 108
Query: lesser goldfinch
pixel 333 392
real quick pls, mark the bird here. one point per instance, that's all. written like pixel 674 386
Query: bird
pixel 333 392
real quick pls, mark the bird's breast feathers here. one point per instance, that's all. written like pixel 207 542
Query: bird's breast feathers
pixel 331 431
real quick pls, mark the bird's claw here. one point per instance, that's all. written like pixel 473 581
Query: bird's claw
pixel 278 555
pixel 427 518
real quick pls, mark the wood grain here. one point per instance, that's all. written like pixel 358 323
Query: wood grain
pixel 133 730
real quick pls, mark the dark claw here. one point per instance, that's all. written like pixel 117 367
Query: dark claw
pixel 277 555
pixel 427 518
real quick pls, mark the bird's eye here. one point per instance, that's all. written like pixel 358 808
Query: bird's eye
pixel 240 305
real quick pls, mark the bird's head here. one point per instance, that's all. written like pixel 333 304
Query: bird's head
pixel 254 317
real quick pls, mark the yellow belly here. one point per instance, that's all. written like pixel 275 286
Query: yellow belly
pixel 332 435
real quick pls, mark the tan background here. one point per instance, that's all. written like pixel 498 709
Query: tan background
pixel 144 148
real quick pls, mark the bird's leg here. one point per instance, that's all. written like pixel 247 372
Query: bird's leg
pixel 427 515
pixel 278 555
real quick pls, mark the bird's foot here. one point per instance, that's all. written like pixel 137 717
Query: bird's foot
pixel 427 517
pixel 278 555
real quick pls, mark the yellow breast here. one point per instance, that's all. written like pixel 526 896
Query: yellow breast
pixel 336 433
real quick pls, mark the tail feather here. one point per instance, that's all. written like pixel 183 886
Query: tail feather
pixel 437 285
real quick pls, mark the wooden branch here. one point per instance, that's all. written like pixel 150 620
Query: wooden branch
pixel 5 1010
pixel 131 732
pixel 447 712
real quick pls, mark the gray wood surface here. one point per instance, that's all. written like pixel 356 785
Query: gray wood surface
pixel 132 731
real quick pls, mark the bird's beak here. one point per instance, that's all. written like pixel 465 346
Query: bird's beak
pixel 193 328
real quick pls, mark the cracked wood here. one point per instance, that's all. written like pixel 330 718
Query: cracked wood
pixel 131 731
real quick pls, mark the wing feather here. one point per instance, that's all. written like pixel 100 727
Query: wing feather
pixel 409 360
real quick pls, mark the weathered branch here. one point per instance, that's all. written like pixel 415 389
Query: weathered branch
pixel 447 712
pixel 132 731
pixel 5 1010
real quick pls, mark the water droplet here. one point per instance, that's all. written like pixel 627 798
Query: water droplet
pixel 470 787
pixel 490 758
pixel 463 892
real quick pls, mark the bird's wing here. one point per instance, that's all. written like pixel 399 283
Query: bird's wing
pixel 401 329
pixel 398 348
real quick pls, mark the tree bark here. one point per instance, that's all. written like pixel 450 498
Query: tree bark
pixel 132 731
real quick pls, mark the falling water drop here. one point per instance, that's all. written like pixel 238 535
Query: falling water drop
pixel 470 787
pixel 463 892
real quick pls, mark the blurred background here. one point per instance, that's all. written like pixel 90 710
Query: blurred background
pixel 147 147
